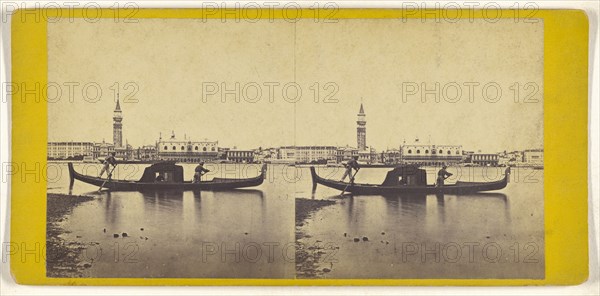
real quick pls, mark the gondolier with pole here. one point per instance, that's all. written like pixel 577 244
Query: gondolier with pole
pixel 352 164
pixel 199 171
pixel 108 161
pixel 442 176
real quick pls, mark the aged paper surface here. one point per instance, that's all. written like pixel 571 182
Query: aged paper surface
pixel 415 95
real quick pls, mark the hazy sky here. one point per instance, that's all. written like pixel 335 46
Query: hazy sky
pixel 174 62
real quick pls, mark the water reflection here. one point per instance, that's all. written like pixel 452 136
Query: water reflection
pixel 439 197
pixel 163 194
pixel 110 211
pixel 186 207
pixel 431 209
pixel 245 193
pixel 313 191
pixel 197 194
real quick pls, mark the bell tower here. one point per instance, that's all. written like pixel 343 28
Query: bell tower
pixel 118 126
pixel 361 130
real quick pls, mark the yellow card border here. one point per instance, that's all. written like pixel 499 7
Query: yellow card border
pixel 565 145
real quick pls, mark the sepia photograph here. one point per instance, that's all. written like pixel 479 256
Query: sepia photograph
pixel 349 148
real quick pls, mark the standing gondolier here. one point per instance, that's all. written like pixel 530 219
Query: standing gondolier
pixel 109 160
pixel 200 170
pixel 350 165
pixel 442 175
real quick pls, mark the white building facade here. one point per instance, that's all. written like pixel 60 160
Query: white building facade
pixel 185 150
pixel 533 157
pixel 102 150
pixel 428 154
pixel 307 154
pixel 485 159
pixel 65 150
pixel 240 156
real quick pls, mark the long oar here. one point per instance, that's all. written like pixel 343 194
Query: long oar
pixel 351 182
pixel 109 176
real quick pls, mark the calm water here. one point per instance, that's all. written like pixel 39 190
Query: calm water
pixel 249 233
pixel 486 235
pixel 245 233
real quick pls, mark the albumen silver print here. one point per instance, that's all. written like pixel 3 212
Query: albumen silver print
pixel 351 149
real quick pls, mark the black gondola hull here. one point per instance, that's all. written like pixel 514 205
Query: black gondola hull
pixel 374 189
pixel 125 185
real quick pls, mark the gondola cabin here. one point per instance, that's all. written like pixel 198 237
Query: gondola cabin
pixel 167 172
pixel 406 175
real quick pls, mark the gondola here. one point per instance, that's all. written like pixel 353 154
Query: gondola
pixel 166 176
pixel 410 180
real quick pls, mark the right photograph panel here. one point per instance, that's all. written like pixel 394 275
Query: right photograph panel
pixel 422 157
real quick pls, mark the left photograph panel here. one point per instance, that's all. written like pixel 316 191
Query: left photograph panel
pixel 149 177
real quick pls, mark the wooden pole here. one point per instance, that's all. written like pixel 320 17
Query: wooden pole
pixel 109 177
pixel 351 182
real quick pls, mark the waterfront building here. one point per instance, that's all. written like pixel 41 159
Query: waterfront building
pixel 278 155
pixel 429 154
pixel 101 150
pixel 503 161
pixel 259 155
pixel 240 156
pixel 222 152
pixel 264 155
pixel 286 154
pixel 125 152
pixel 361 129
pixel 268 155
pixel 185 150
pixel 346 153
pixel 391 156
pixel 307 154
pixel 515 155
pixel 315 154
pixel 69 150
pixel 485 159
pixel 467 156
pixel 368 156
pixel 146 153
pixel 533 157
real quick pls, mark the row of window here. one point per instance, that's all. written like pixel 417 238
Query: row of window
pixel 70 144
pixel 192 160
pixel 433 152
pixel 485 157
pixel 239 154
pixel 183 148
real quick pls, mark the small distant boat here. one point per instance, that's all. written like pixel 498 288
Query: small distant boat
pixel 166 176
pixel 409 179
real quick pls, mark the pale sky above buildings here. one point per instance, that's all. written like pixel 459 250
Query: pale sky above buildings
pixel 172 64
